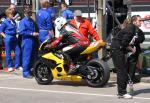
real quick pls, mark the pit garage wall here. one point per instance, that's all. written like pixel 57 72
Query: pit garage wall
pixel 4 2
pixel 141 2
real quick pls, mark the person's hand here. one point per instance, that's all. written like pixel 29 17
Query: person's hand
pixel 51 33
pixel 133 50
pixel 47 46
pixel 3 35
pixel 133 40
pixel 35 34
pixel 102 42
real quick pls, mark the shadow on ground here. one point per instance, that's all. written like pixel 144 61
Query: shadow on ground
pixel 141 91
pixel 82 83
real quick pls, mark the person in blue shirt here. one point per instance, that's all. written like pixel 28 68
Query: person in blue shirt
pixel 52 11
pixel 1 48
pixel 53 14
pixel 8 31
pixel 44 21
pixel 65 12
pixel 28 31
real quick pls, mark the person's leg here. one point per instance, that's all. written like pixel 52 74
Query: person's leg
pixel 119 63
pixel 8 48
pixel 132 61
pixel 26 57
pixel 34 53
pixel 1 66
pixel 1 60
pixel 75 50
pixel 17 54
pixel 72 53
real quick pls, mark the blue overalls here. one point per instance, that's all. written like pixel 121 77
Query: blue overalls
pixel 44 22
pixel 8 27
pixel 52 12
pixel 26 28
pixel 67 14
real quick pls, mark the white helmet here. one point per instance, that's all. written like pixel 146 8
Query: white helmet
pixel 60 22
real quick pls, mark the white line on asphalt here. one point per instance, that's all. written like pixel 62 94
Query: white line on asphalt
pixel 9 78
pixel 66 92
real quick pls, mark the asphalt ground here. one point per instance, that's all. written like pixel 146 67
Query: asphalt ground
pixel 16 89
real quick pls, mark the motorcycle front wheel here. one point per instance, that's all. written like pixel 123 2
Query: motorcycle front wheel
pixel 99 73
pixel 42 73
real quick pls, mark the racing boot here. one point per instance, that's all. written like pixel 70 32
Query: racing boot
pixel 72 69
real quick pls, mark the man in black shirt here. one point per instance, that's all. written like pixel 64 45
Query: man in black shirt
pixel 139 38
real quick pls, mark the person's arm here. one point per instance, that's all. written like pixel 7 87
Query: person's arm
pixel 127 35
pixel 93 32
pixel 2 28
pixel 132 49
pixel 24 32
pixel 51 32
pixel 140 38
pixel 49 25
pixel 64 14
pixel 57 41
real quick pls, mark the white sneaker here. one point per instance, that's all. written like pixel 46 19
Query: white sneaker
pixel 10 69
pixel 20 68
pixel 126 96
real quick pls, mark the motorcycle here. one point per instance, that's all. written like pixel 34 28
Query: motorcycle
pixel 52 64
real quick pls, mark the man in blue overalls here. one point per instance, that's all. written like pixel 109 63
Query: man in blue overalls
pixel 29 33
pixel 1 45
pixel 8 31
pixel 44 21
pixel 65 12
pixel 52 11
pixel 53 14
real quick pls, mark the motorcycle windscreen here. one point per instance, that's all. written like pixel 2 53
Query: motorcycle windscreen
pixel 43 44
pixel 93 47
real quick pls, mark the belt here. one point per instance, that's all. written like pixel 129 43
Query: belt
pixel 43 30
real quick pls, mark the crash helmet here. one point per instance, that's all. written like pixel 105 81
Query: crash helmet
pixel 60 22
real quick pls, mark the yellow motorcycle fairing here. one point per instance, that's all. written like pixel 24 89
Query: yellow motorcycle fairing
pixel 59 62
pixel 93 47
pixel 61 75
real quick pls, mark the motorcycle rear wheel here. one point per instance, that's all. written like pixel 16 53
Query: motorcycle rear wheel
pixel 42 73
pixel 100 73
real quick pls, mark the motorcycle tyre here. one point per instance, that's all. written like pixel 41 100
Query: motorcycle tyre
pixel 39 80
pixel 106 73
